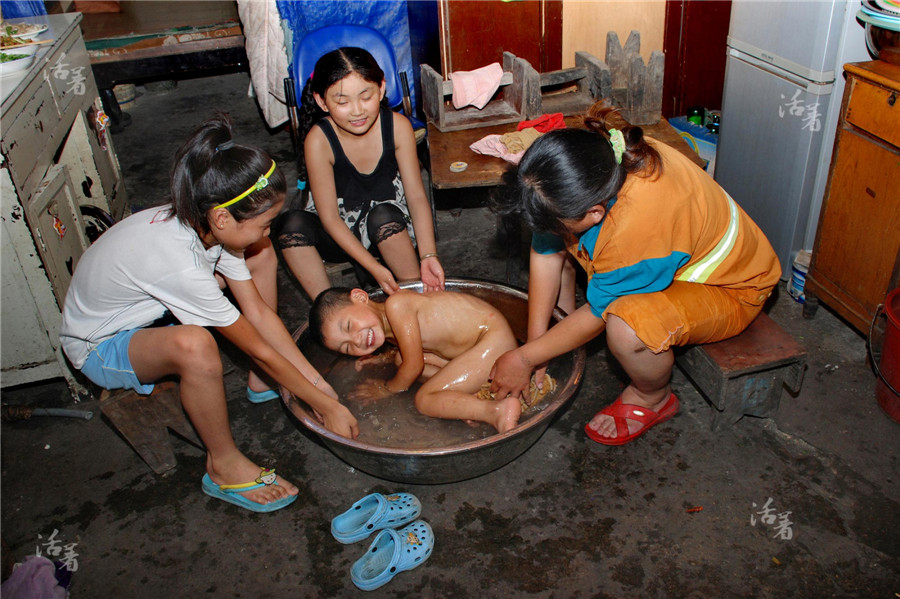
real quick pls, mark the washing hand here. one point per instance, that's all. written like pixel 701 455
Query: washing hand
pixel 432 274
pixel 339 420
pixel 511 375
pixel 370 390
pixel 382 358
pixel 385 279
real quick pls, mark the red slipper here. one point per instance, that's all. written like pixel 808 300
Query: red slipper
pixel 621 411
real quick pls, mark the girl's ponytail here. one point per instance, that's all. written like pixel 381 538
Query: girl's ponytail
pixel 210 169
pixel 307 114
pixel 639 156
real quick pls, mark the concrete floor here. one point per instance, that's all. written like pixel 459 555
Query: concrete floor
pixel 569 518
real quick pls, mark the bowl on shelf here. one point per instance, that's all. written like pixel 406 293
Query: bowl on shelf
pixel 16 58
pixel 22 30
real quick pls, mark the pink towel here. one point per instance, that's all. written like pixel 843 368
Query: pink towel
pixel 476 87
pixel 496 145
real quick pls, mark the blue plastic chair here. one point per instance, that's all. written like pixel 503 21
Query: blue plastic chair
pixel 321 41
pixel 324 40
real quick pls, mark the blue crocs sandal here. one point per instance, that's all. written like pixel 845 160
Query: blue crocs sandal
pixel 374 512
pixel 391 552
pixel 232 493
pixel 262 396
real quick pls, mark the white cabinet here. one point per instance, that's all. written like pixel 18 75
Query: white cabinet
pixel 57 159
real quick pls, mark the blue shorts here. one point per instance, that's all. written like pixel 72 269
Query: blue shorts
pixel 108 365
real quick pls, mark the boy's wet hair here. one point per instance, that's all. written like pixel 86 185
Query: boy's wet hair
pixel 210 169
pixel 325 304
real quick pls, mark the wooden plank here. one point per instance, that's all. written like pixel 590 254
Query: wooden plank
pixel 138 17
pixel 432 96
pixel 563 76
pixel 762 345
pixel 569 103
pixel 447 86
pixel 615 59
pixel 169 46
pixel 598 83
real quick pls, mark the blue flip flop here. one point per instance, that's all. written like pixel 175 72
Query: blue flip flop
pixel 392 552
pixel 262 396
pixel 232 493
pixel 374 512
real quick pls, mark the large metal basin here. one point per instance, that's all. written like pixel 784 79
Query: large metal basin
pixel 466 460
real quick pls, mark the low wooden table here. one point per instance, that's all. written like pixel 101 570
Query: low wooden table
pixel 159 40
pixel 485 171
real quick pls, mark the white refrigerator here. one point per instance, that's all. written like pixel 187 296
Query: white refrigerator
pixel 780 107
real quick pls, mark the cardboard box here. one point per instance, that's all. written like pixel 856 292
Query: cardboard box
pixel 699 138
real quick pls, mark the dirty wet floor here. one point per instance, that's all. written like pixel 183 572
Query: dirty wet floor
pixel 804 504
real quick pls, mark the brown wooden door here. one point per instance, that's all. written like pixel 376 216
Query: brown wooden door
pixel 694 44
pixel 477 32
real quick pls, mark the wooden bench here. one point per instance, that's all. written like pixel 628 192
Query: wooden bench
pixel 744 375
pixel 144 421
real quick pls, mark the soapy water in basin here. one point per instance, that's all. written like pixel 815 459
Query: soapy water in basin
pixel 395 422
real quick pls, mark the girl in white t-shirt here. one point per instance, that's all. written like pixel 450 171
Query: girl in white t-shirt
pixel 167 259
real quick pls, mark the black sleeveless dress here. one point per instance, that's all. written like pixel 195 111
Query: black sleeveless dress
pixel 358 193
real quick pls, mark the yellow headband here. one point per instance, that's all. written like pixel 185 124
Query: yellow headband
pixel 261 183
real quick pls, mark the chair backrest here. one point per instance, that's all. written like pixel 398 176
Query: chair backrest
pixel 324 40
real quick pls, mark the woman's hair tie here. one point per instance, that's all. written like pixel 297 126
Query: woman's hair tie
pixel 617 141
pixel 225 146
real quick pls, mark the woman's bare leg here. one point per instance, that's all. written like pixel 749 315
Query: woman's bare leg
pixel 649 373
pixel 191 353
pixel 400 256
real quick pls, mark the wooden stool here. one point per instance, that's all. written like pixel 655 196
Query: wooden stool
pixel 143 420
pixel 743 375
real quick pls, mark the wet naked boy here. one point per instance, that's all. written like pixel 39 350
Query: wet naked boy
pixel 451 339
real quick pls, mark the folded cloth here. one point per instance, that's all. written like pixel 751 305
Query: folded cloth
pixel 519 141
pixel 509 146
pixel 491 145
pixel 545 122
pixel 476 87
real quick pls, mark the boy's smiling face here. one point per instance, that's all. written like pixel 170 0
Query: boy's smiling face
pixel 356 329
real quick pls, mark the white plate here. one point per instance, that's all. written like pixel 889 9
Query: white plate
pixel 32 30
pixel 20 64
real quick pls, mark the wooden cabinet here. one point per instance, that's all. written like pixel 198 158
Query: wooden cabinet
pixel 475 34
pixel 59 171
pixel 856 256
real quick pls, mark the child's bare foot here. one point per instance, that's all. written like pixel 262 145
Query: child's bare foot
pixel 507 412
pixel 241 470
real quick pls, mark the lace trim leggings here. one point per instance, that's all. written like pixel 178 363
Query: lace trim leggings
pixel 299 228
